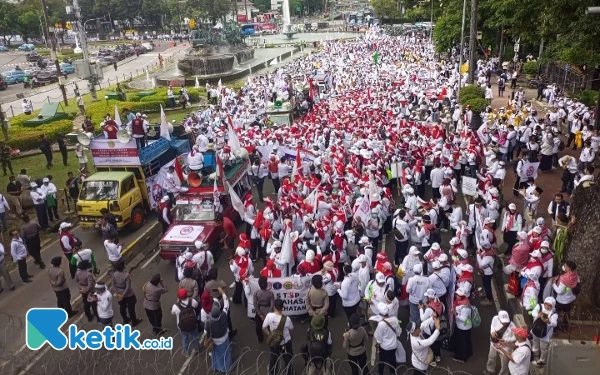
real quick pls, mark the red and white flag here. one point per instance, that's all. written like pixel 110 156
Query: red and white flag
pixel 236 202
pixel 233 140
pixel 297 169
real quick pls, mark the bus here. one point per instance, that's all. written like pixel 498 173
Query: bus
pixel 249 29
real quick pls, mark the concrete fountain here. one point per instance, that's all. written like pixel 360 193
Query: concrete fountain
pixel 288 29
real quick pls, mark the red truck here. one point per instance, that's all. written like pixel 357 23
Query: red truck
pixel 194 218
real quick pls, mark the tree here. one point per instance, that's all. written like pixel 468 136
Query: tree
pixel 386 8
pixel 263 5
pixel 583 245
pixel 214 9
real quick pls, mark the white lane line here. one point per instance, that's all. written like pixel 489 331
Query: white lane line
pixel 187 363
pixel 151 259
pixel 39 356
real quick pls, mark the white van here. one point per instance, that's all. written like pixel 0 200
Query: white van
pixel 148 46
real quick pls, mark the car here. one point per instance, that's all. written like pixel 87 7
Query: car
pixel 106 61
pixel 3 84
pixel 32 56
pixel 26 47
pixel 14 76
pixel 3 49
pixel 119 55
pixel 67 68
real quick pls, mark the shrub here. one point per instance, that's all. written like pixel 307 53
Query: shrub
pixel 588 97
pixel 25 138
pixel 478 105
pixel 530 67
pixel 161 95
pixel 98 110
pixel 471 92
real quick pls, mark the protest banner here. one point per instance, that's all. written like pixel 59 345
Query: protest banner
pixel 291 290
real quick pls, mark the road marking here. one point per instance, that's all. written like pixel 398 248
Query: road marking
pixel 186 363
pixel 151 259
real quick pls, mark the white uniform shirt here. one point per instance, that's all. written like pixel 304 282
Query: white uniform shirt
pixel 387 337
pixel 521 358
pixel 272 321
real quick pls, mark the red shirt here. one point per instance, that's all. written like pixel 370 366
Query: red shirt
pixel 229 227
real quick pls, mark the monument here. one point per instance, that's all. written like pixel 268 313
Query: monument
pixel 215 51
pixel 288 29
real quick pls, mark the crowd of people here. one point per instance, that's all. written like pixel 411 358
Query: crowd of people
pixel 385 149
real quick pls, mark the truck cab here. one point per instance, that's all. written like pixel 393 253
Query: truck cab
pixel 195 212
pixel 126 178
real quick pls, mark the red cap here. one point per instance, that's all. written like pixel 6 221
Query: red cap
pixel 182 293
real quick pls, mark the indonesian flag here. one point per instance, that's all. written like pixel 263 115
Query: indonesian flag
pixel 164 125
pixel 296 171
pixel 287 255
pixel 364 209
pixel 372 186
pixel 236 202
pixel 178 170
pixel 233 141
pixel 220 172
pixel 117 116
pixel 217 196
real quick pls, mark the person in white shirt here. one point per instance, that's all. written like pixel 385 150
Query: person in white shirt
pixel 203 258
pixel 587 175
pixel 587 156
pixel 19 256
pixel 485 264
pixel 545 320
pixel 571 170
pixel 113 248
pixel 416 287
pixel 4 208
pixel 401 232
pixel 436 176
pixel 103 298
pixel 349 291
pixel 500 333
pixel 520 356
pixel 420 347
pixel 531 202
pixel 437 281
pixel 39 202
pixel 282 354
pixel 49 190
pixel 463 347
pixel 386 337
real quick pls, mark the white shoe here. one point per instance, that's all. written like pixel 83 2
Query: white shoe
pixel 232 285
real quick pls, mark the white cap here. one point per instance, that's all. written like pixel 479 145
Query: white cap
pixel 435 246
pixel 540 221
pixel 414 250
pixel 45 179
pixel 362 258
pixel 276 244
pixel 240 251
pixel 454 241
pixel 462 253
pixel 443 258
pixel 383 308
pixel 33 185
pixel 461 292
pixel 364 239
pixel 430 293
pixel 199 244
pixel 65 225
pixel 503 317
pixel 188 255
pixel 418 268
pixel 310 256
pixel 545 244
pixel 537 230
pixel 488 221
pixel 379 277
pixel 436 265
pixel 512 206
pixel 522 235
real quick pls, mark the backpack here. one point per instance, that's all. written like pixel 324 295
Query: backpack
pixel 443 328
pixel 539 328
pixel 317 345
pixel 187 317
pixel 275 337
pixel 435 236
pixel 577 289
pixel 475 317
pixel 397 285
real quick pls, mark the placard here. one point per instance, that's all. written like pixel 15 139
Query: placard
pixel 469 186
pixel 529 170
pixel 112 152
pixel 184 233
pixel 291 290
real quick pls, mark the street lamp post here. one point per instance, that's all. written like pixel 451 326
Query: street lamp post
pixel 472 41
pixel 53 54
pixel 460 52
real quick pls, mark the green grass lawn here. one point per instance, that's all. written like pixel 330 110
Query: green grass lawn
pixel 176 114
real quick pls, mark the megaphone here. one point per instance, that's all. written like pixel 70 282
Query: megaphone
pixel 85 138
pixel 123 136
pixel 194 179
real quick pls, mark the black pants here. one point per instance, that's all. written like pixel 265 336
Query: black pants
pixel 5 164
pixel 435 192
pixel 436 348
pixel 22 265
pixel 127 309
pixel 260 183
pixel 349 310
pixel 34 249
pixel 52 213
pixel 276 185
pixel 155 319
pixel 165 226
pixel 358 364
pixel 332 306
pixel 64 155
pixel 401 251
pixel 258 322
pixel 63 300
pixel 570 139
pixel 281 357
pixel 254 247
pixel 42 214
pixel 238 293
pixel 49 158
pixel 487 286
pixel 72 267
pixel 387 358
pixel 513 83
pixel 375 242
pixel 567 181
pixel 510 238
pixel 89 308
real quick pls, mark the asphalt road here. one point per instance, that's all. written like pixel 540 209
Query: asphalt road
pixel 250 355
pixel 135 66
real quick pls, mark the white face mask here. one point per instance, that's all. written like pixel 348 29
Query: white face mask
pixel 564 268
pixel 543 251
